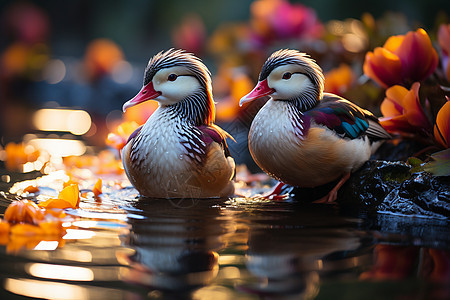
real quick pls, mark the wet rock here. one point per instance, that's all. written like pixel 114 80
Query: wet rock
pixel 381 186
pixel 422 194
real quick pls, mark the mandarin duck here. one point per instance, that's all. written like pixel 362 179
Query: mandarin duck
pixel 302 136
pixel 179 152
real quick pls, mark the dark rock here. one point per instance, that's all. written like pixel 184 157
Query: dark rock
pixel 389 187
pixel 422 194
pixel 367 188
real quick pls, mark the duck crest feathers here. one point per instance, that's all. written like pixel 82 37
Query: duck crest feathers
pixel 311 68
pixel 198 108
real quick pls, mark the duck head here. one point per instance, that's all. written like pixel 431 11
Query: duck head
pixel 289 75
pixel 178 80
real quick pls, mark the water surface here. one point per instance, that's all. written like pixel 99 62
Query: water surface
pixel 123 247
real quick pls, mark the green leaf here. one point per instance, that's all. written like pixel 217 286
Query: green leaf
pixel 416 165
pixel 440 165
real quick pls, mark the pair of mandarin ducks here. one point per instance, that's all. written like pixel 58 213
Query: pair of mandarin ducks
pixel 302 136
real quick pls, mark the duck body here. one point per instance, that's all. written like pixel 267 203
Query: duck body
pixel 302 136
pixel 179 153
pixel 301 151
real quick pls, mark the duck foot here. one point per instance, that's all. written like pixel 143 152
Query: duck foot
pixel 331 197
pixel 281 192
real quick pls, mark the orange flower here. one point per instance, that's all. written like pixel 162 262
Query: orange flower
pixel 97 187
pixel 339 80
pixel 71 194
pixel 55 203
pixel 391 262
pixel 18 154
pixel 53 228
pixel 402 111
pixel 69 197
pixel 444 43
pixel 26 230
pixel 19 242
pixel 4 232
pixel 31 189
pixel 442 126
pixel 119 138
pixel 26 225
pixel 231 84
pixel 26 236
pixel 4 227
pixel 101 56
pixel 23 211
pixel 402 60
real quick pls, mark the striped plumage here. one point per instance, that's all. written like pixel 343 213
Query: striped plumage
pixel 303 136
pixel 179 152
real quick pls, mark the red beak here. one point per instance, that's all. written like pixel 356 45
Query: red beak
pixel 146 93
pixel 261 89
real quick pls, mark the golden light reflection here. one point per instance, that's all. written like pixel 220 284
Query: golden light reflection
pixel 230 272
pixel 44 290
pixel 60 147
pixel 59 272
pixel 231 259
pixel 77 255
pixel 85 224
pixel 47 245
pixel 213 292
pixel 74 121
pixel 353 42
pixel 76 234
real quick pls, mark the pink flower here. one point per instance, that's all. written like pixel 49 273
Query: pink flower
pixel 190 35
pixel 278 19
pixel 444 43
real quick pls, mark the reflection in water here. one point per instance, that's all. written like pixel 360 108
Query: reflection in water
pixel 289 251
pixel 176 244
pixel 60 272
pixel 242 248
pixel 45 290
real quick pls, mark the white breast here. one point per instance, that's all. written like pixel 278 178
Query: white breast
pixel 158 158
pixel 159 166
pixel 159 146
pixel 316 158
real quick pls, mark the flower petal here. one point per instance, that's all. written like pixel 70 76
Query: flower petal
pixel 97 187
pixel 383 66
pixel 56 203
pixel 71 194
pixel 4 226
pixel 23 211
pixel 392 105
pixel 397 124
pixel 413 109
pixel 442 126
pixel 393 43
pixel 26 230
pixel 418 57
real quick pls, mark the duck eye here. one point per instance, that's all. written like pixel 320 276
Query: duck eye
pixel 287 75
pixel 172 77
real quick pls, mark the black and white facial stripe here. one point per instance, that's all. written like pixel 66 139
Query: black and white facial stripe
pixel 287 56
pixel 197 108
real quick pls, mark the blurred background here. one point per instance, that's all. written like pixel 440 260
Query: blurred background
pixel 67 67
